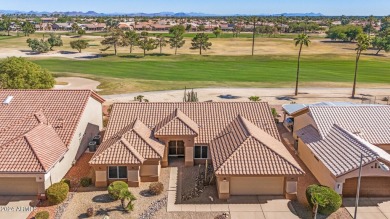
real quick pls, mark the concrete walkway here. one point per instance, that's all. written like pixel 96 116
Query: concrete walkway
pixel 369 208
pixel 270 207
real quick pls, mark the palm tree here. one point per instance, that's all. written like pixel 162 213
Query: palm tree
pixel 363 42
pixel 302 39
pixel 124 195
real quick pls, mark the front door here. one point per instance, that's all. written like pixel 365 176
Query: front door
pixel 176 148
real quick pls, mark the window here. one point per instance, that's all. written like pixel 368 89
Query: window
pixel 117 172
pixel 176 148
pixel 200 152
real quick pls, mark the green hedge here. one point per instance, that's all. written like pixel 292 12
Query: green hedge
pixel 85 181
pixel 42 215
pixel 331 200
pixel 115 187
pixel 67 181
pixel 57 192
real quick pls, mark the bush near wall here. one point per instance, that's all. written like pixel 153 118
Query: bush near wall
pixel 57 193
pixel 331 200
pixel 42 215
pixel 115 188
pixel 156 188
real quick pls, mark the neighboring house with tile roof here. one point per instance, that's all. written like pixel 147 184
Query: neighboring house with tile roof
pixel 42 132
pixel 239 139
pixel 331 139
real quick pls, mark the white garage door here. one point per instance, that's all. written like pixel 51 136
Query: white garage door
pixel 256 186
pixel 18 186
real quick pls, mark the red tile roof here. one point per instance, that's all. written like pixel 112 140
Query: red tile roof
pixel 35 126
pixel 244 149
pixel 131 145
pixel 177 123
pixel 246 138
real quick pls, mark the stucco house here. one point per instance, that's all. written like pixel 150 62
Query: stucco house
pixel 42 133
pixel 239 139
pixel 332 139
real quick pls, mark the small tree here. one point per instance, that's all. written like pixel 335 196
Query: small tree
pixel 28 28
pixel 146 43
pixel 54 40
pixel 81 32
pixel 39 46
pixel 322 199
pixel 217 32
pixel 176 41
pixel 79 45
pixel 201 42
pixel 75 27
pixel 19 73
pixel 131 39
pixel 126 195
pixel 381 43
pixel 6 24
pixel 114 38
pixel 161 42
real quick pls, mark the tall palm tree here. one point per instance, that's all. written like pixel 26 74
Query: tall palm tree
pixel 363 42
pixel 302 39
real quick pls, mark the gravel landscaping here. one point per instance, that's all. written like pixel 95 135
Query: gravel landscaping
pixel 99 199
pixel 187 180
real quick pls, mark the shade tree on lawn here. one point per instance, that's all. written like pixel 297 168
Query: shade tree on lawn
pixel 79 45
pixel 177 40
pixel 201 42
pixel 302 39
pixel 146 43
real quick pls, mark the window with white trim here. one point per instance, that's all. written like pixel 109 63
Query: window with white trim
pixel 117 172
pixel 200 152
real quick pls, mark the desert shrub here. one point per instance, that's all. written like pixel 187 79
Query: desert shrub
pixel 330 200
pixel 156 188
pixel 254 98
pixel 115 188
pixel 42 215
pixel 66 181
pixel 85 181
pixel 90 212
pixel 57 193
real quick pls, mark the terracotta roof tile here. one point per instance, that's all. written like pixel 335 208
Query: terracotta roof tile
pixel 177 123
pixel 244 149
pixel 35 126
pixel 131 145
pixel 248 144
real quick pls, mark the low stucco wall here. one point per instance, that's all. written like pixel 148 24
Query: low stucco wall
pixel 301 122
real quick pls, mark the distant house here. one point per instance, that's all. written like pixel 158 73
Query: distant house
pixel 239 139
pixel 62 26
pixel 49 20
pixel 332 139
pixel 42 133
pixel 125 26
pixel 94 26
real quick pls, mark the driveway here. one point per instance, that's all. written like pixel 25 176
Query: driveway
pixel 369 208
pixel 16 207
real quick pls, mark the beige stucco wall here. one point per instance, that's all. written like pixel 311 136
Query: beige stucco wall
pixel 301 122
pixel 188 148
pixel 92 116
pixel 319 170
pixel 150 170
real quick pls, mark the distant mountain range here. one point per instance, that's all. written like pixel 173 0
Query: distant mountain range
pixel 159 14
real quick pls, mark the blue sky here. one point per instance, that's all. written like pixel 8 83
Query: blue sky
pixel 327 7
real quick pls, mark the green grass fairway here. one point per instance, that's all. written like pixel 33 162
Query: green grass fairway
pixel 226 68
